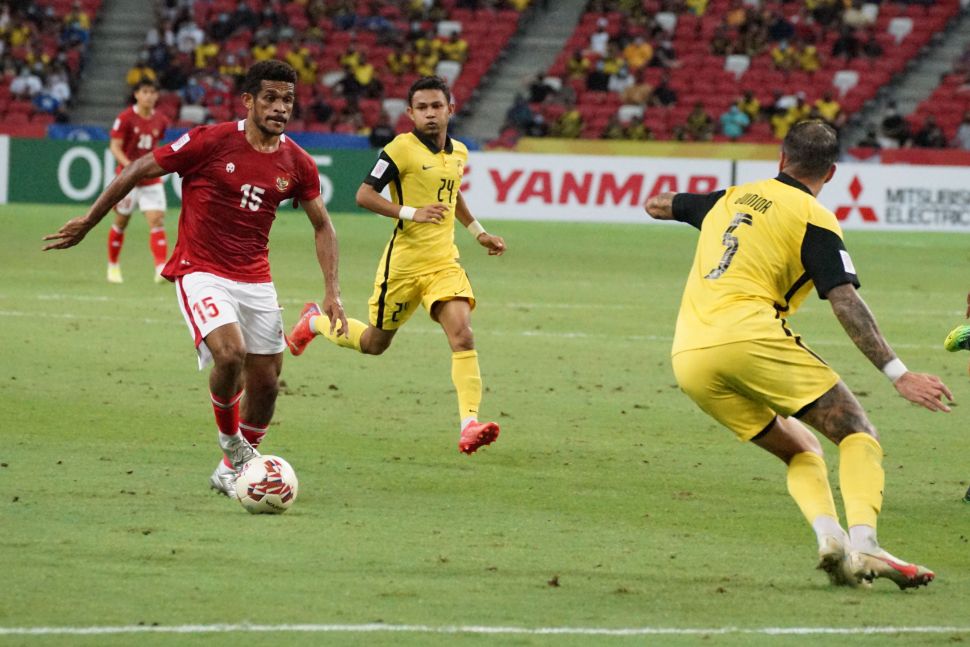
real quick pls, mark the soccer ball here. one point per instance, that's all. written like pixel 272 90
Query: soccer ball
pixel 266 485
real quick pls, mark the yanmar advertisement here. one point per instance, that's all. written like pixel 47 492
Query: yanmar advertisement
pixel 873 196
pixel 587 188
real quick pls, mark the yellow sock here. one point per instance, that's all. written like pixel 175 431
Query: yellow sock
pixel 352 340
pixel 808 484
pixel 468 382
pixel 861 478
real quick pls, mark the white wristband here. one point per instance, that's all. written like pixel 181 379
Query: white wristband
pixel 406 213
pixel 475 228
pixel 894 370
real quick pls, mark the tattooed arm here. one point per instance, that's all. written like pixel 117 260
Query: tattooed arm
pixel 859 324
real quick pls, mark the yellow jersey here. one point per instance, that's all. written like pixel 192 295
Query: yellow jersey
pixel 762 247
pixel 418 173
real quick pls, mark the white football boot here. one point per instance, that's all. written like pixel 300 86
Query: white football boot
pixel 223 481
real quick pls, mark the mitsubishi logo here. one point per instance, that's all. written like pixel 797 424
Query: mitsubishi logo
pixel 855 190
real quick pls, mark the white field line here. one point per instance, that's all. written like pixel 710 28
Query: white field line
pixel 432 330
pixel 472 629
pixel 552 305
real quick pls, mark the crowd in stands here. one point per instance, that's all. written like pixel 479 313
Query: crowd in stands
pixel 941 121
pixel 721 70
pixel 355 58
pixel 42 51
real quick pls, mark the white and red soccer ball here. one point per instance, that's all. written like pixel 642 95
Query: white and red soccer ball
pixel 267 485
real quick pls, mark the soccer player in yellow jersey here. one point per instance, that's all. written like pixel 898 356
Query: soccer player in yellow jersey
pixel 420 266
pixel 762 248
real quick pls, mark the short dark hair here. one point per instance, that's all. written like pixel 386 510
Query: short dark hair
pixel 267 71
pixel 143 82
pixel 811 147
pixel 430 83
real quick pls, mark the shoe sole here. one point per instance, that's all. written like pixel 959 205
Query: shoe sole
pixel 905 576
pixel 485 437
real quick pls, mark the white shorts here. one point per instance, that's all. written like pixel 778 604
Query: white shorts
pixel 209 301
pixel 148 198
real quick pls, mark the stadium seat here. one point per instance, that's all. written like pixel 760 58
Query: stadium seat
pixel 448 70
pixel 871 11
pixel 667 21
pixel 448 27
pixel 900 27
pixel 845 80
pixel 629 113
pixel 394 108
pixel 737 64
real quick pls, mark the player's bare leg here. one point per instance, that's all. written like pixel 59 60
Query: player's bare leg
pixel 840 418
pixel 229 356
pixel 808 484
pixel 455 319
pixel 157 242
pixel 261 377
pixel 116 239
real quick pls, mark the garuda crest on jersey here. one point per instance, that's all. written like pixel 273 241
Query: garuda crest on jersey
pixel 282 184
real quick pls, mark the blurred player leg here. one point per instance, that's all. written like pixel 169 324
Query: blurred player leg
pixel 116 239
pixel 151 200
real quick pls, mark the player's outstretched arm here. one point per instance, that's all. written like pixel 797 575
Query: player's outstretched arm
pixel 370 199
pixel 859 324
pixel 661 206
pixel 494 244
pixel 76 229
pixel 325 239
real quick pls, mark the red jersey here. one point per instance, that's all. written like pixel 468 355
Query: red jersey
pixel 230 193
pixel 138 135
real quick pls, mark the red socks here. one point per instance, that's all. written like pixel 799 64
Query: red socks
pixel 158 244
pixel 227 413
pixel 116 237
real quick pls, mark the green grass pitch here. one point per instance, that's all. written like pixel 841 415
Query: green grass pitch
pixel 609 501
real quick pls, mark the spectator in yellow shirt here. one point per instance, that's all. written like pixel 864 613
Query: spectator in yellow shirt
pixel 263 50
pixel 808 59
pixel 830 110
pixel 569 125
pixel 205 52
pixel 400 60
pixel 577 67
pixel 141 71
pixel 638 53
pixel 454 49
pixel 750 105
pixel 300 59
pixel 425 60
pixel 783 55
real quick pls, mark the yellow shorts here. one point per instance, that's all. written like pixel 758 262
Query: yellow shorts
pixel 743 385
pixel 395 300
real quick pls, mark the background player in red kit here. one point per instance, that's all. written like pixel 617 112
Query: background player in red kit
pixel 135 132
pixel 235 175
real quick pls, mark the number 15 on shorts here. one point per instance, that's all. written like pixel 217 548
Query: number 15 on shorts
pixel 205 309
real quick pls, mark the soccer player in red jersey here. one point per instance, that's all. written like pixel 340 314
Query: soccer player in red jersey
pixel 235 175
pixel 136 132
